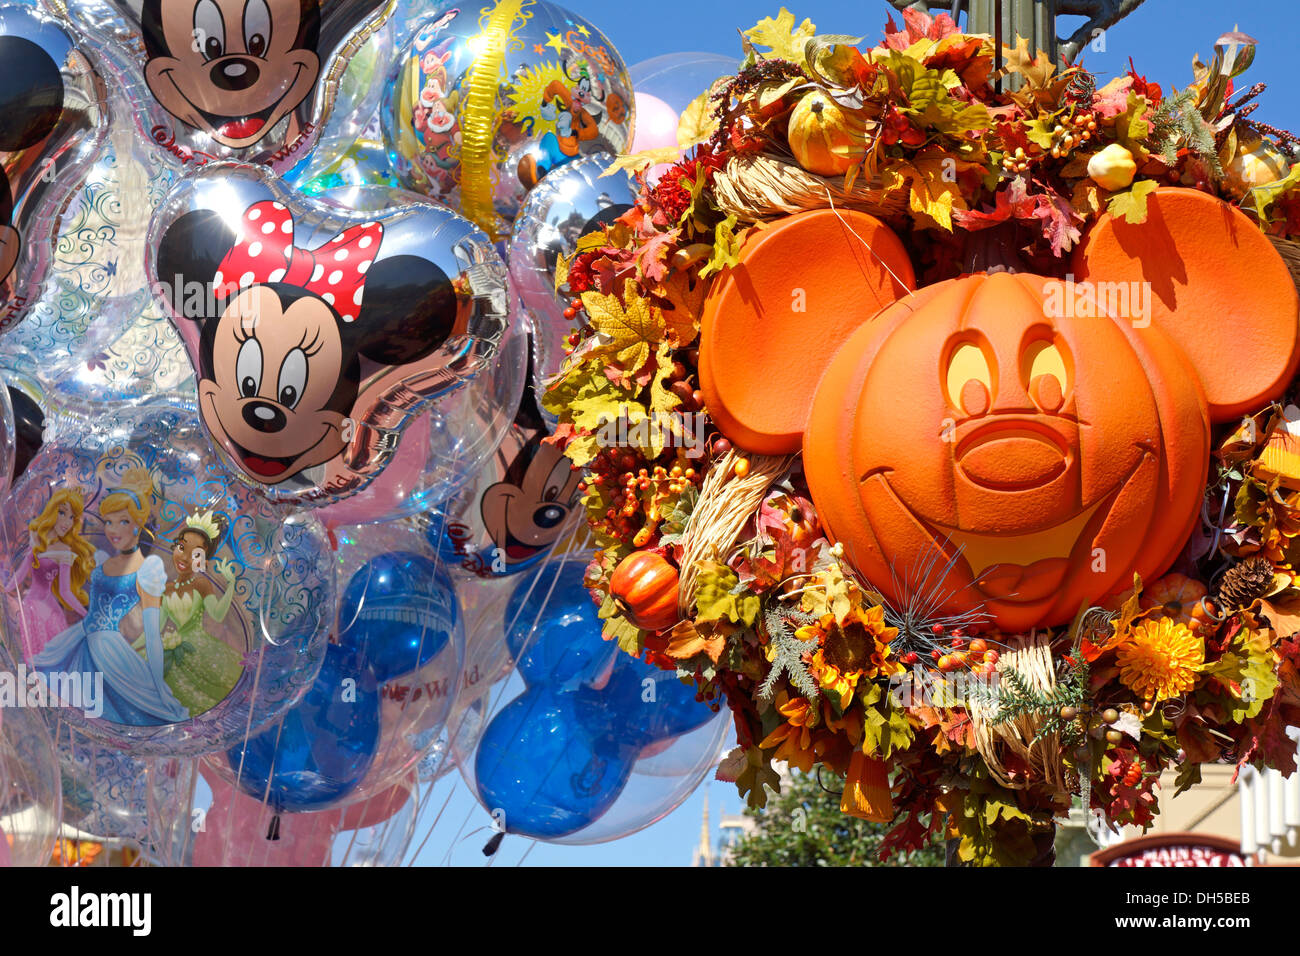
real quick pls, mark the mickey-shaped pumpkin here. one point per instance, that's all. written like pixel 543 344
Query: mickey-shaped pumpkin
pixel 985 442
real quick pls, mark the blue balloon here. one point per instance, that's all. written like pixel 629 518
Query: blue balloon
pixel 553 633
pixel 323 747
pixel 554 759
pixel 398 613
pixel 541 773
pixel 643 703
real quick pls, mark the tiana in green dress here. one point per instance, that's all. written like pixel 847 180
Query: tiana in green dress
pixel 200 669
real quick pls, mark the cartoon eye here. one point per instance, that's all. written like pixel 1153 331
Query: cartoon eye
pixel 209 29
pixel 257 27
pixel 293 378
pixel 969 382
pixel 557 479
pixel 248 368
pixel 1045 373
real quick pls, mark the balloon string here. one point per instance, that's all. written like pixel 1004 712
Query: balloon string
pixel 864 242
pixel 433 826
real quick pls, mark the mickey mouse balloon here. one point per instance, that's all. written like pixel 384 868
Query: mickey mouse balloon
pixel 487 102
pixel 252 80
pixel 317 333
pixel 51 127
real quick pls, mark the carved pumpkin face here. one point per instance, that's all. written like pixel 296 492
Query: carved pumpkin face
pixel 1020 452
pixel 976 445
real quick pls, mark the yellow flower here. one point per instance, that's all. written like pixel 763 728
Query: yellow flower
pixel 850 650
pixel 1159 659
pixel 794 737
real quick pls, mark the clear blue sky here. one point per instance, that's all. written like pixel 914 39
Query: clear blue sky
pixel 1160 36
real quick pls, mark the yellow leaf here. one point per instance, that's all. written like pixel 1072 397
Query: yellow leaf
pixel 1036 69
pixel 697 122
pixel 628 329
pixel 784 40
pixel 635 162
pixel 561 272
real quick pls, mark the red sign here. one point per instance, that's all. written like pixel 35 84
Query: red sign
pixel 1171 849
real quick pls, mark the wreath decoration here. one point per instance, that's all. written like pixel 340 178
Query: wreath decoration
pixel 782 385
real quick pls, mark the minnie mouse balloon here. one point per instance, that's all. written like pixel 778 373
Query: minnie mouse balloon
pixel 51 127
pixel 486 103
pixel 316 334
pixel 252 80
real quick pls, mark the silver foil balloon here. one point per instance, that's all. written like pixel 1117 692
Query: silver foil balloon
pixel 317 333
pixel 569 203
pixel 52 124
pixel 215 80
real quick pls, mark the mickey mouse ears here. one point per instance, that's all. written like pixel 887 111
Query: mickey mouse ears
pixel 772 325
pixel 1214 284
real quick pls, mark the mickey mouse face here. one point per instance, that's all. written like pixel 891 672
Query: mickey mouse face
pixel 232 68
pixel 49 99
pixel 316 338
pixel 525 513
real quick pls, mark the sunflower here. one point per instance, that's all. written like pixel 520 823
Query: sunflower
pixel 794 737
pixel 847 651
pixel 1158 659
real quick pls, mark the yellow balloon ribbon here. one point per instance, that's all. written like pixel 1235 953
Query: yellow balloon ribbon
pixel 478 119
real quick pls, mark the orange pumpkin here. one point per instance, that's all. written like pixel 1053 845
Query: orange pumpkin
pixel 644 587
pixel 979 444
pixel 771 324
pixel 1176 595
pixel 825 137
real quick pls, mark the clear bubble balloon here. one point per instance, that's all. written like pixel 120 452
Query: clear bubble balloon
pixel 679 79
pixel 398 611
pixel 164 606
pixel 31 801
pixel 560 760
pixel 485 105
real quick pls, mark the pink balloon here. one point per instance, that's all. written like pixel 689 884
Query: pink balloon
pixel 235 833
pixel 4 848
pixel 379 808
pixel 656 123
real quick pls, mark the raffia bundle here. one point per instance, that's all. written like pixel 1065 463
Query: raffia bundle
pixel 1031 657
pixel 725 506
pixel 754 188
pixel 1289 250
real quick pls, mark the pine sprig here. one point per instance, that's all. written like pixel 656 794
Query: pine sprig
pixel 789 651
pixel 1017 698
pixel 1177 123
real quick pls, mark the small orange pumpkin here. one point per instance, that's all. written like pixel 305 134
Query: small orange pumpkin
pixel 644 587
pixel 825 138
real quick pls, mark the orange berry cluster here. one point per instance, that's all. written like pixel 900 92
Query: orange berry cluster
pixel 967 654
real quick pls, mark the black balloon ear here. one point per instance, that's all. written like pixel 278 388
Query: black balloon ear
pixel 408 312
pixel 31 93
pixel 189 254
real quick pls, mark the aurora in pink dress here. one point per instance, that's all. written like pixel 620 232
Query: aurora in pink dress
pixel 42 615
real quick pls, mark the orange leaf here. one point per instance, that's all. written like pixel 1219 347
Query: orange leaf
pixel 685 641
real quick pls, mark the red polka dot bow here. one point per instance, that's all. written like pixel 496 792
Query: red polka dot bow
pixel 334 271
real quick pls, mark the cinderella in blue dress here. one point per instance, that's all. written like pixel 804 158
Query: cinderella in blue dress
pixel 134 690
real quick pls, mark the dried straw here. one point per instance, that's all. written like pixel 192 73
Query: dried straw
pixel 1290 253
pixel 1031 657
pixel 754 188
pixel 725 506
